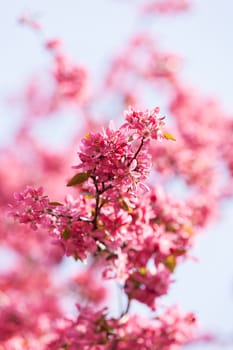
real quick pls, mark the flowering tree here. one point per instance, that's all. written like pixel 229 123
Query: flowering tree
pixel 111 212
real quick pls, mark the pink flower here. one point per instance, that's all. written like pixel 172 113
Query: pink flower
pixel 146 124
pixel 30 206
pixel 166 6
pixel 145 287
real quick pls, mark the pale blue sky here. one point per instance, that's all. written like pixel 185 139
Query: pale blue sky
pixel 91 30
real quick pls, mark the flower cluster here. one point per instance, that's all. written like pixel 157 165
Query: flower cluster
pixel 120 158
pixel 146 124
pixel 94 331
pixel 68 84
pixel 27 322
pixel 70 79
pixel 30 206
pixel 138 238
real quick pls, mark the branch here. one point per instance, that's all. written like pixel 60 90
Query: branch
pixel 137 152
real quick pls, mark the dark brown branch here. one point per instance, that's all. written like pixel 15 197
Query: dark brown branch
pixel 97 202
pixel 137 152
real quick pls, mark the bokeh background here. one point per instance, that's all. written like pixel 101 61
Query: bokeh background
pixel 91 32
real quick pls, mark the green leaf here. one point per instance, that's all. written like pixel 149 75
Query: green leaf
pixel 125 206
pixel 65 233
pixel 169 136
pixel 170 263
pixel 100 225
pixel 88 195
pixel 76 257
pixel 78 179
pixel 142 271
pixel 179 252
pixel 171 227
pixel 55 203
pixel 102 325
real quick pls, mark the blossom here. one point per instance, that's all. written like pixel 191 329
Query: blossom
pixel 71 79
pixel 30 206
pixel 145 123
pixel 94 331
pixel 119 157
pixel 145 286
pixel 166 6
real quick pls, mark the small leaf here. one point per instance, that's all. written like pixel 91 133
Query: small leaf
pixel 102 325
pixel 55 203
pixel 103 202
pixel 88 195
pixel 188 229
pixel 65 233
pixel 76 257
pixel 78 179
pixel 142 271
pixel 136 283
pixel 125 206
pixel 130 139
pixel 169 136
pixel 171 227
pixel 179 252
pixel 170 263
pixel 100 225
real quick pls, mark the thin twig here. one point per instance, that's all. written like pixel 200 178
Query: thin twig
pixel 137 152
pixel 96 202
